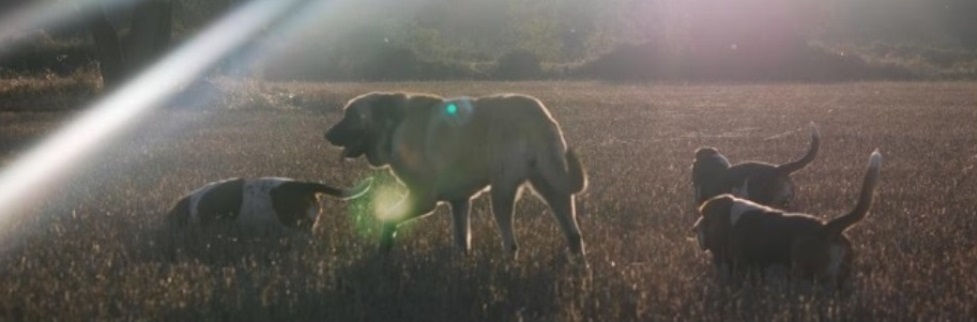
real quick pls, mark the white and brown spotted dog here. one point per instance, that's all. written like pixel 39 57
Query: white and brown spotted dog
pixel 761 182
pixel 747 237
pixel 256 207
pixel 450 150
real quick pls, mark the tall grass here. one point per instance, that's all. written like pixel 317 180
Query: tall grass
pixel 48 90
pixel 89 246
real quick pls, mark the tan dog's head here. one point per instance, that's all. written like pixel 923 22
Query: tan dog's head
pixel 367 126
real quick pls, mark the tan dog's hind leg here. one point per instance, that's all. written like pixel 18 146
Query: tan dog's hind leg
pixel 562 204
pixel 460 219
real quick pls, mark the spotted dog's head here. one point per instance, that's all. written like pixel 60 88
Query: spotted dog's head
pixel 367 126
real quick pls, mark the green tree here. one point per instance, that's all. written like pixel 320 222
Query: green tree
pixel 149 26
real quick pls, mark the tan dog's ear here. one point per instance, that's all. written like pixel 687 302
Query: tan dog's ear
pixel 388 109
pixel 383 111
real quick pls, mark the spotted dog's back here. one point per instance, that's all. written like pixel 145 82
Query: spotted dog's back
pixel 219 200
pixel 255 207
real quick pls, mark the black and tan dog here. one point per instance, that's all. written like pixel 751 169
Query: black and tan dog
pixel 450 150
pixel 746 237
pixel 760 182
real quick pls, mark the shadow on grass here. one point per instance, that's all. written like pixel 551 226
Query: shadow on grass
pixel 302 278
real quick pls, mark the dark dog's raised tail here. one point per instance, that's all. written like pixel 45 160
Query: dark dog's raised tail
pixel 812 152
pixel 351 193
pixel 871 180
pixel 578 178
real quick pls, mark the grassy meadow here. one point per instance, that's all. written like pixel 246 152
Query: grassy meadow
pixel 88 245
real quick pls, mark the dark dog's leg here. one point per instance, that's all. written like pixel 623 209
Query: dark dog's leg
pixel 460 209
pixel 562 204
pixel 419 204
pixel 742 273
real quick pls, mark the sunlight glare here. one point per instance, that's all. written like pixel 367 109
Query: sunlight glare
pixel 52 157
pixel 390 202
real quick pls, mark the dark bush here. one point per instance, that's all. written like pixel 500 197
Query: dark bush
pixel 790 62
pixel 517 65
pixel 625 62
pixel 61 60
pixel 382 63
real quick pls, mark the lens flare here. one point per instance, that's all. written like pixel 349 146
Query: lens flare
pixel 122 107
pixel 457 111
pixel 386 201
pixel 390 203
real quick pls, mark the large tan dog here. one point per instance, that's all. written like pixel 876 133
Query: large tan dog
pixel 449 150
pixel 747 237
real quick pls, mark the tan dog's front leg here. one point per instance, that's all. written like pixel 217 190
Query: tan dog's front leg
pixel 461 221
pixel 417 205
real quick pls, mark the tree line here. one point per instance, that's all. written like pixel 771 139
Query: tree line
pixel 519 39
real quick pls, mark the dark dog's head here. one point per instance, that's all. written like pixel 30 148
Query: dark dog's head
pixel 760 182
pixel 708 168
pixel 367 126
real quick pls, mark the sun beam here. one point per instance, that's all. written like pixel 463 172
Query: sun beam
pixel 111 114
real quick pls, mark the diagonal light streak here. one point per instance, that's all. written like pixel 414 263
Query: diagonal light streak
pixel 51 157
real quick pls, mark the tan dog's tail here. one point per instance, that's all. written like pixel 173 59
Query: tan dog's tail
pixel 578 178
pixel 840 224
pixel 812 152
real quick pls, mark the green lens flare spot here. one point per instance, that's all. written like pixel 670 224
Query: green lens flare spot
pixel 452 109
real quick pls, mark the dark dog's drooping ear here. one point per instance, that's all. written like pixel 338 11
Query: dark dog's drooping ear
pixel 708 162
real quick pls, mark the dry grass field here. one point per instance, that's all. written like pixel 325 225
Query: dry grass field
pixel 87 247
